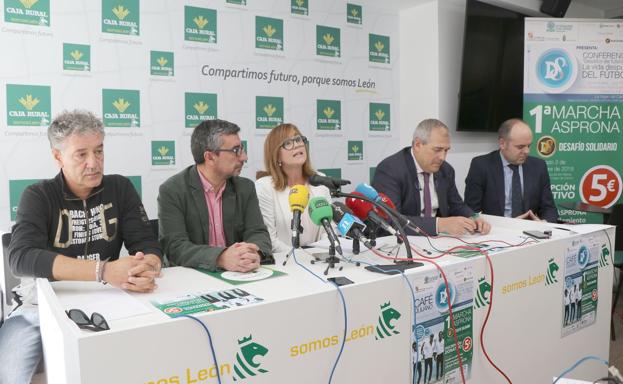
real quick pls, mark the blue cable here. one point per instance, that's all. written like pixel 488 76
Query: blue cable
pixel 339 290
pixel 413 335
pixel 574 366
pixel 205 327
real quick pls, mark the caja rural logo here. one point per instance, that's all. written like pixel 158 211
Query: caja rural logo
pixel 200 25
pixel 30 12
pixel 121 17
pixel 28 105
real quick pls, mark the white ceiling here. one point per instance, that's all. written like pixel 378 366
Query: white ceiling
pixel 605 8
pixel 610 8
pixel 602 4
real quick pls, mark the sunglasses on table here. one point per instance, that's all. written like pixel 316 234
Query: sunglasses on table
pixel 94 323
pixel 294 141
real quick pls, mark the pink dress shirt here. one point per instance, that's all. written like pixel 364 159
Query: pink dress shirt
pixel 214 201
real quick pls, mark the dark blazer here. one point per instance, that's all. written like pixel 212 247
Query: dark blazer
pixel 396 176
pixel 484 187
pixel 183 219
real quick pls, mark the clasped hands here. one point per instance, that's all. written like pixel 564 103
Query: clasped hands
pixel 240 257
pixel 136 273
pixel 529 215
pixel 458 225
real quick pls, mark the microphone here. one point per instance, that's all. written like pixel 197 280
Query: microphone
pixel 298 198
pixel 379 197
pixel 321 213
pixel 401 219
pixel 329 182
pixel 384 199
pixel 349 225
pixel 368 191
pixel 364 211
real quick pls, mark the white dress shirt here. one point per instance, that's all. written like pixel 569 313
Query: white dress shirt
pixel 578 296
pixel 508 185
pixel 277 216
pixel 439 346
pixel 428 349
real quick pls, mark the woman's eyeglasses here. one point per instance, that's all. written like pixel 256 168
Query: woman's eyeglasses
pixel 294 141
pixel 95 323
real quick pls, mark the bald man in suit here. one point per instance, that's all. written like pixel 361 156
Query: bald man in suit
pixel 508 182
pixel 421 184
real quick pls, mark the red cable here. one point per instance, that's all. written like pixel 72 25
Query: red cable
pixel 443 275
pixel 484 324
pixel 490 263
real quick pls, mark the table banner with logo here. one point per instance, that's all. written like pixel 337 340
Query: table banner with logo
pixel 573 101
pixel 436 356
pixel 583 258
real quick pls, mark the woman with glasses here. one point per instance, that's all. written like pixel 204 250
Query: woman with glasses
pixel 287 163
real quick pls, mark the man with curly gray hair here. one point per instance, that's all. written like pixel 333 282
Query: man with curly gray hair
pixel 72 227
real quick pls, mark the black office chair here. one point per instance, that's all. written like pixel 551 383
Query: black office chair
pixel 616 218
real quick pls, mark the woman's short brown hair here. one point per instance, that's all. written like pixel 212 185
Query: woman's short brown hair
pixel 272 144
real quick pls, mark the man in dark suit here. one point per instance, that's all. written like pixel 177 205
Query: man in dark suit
pixel 508 182
pixel 421 184
pixel 209 216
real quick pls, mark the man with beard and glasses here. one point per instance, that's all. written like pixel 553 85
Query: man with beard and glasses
pixel 421 184
pixel 508 182
pixel 72 227
pixel 210 216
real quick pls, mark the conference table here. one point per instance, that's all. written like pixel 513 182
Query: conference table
pixel 286 323
pixel 581 206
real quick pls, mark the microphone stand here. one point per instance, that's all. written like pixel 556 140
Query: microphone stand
pixel 356 248
pixel 331 259
pixel 295 234
pixel 296 243
pixel 335 192
pixel 370 232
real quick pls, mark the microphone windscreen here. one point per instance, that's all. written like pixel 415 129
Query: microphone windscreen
pixel 319 209
pixel 360 208
pixel 298 197
pixel 368 191
pixel 386 200
pixel 383 198
pixel 338 213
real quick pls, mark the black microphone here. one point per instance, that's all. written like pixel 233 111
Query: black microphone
pixel 329 182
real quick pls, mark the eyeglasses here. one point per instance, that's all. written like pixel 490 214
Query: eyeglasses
pixel 95 323
pixel 237 150
pixel 294 141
